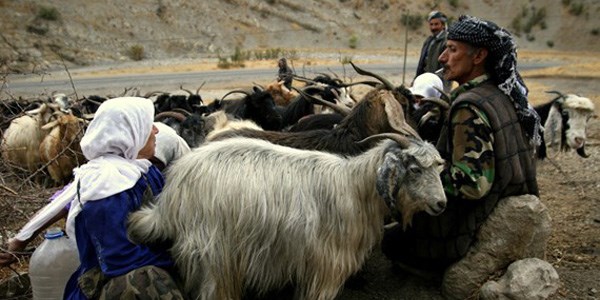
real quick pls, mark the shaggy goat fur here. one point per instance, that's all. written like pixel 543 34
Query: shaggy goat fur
pixel 247 214
pixel 21 141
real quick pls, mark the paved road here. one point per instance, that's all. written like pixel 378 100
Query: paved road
pixel 226 79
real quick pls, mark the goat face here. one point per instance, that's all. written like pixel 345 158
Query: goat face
pixel 261 108
pixel 567 121
pixel 577 126
pixel 193 130
pixel 409 181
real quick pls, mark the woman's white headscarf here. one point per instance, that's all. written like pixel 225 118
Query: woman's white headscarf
pixel 111 144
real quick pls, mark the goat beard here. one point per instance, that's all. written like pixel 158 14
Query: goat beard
pixel 406 209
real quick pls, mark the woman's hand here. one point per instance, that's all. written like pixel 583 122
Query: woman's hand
pixel 14 249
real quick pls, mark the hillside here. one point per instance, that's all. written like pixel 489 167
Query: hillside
pixel 38 35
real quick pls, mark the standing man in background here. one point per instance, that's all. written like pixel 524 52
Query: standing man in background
pixel 285 73
pixel 433 46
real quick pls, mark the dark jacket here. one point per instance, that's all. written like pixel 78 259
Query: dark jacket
pixel 436 242
pixel 431 50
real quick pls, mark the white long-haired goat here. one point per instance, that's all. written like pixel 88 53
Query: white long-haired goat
pixel 247 214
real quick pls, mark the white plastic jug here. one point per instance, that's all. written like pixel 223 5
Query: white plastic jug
pixel 52 264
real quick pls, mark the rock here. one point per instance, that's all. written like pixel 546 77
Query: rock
pixel 526 279
pixel 519 227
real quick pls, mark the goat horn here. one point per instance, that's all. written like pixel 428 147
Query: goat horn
pixel 88 116
pixel 182 111
pixel 385 82
pixel 233 92
pixel 150 94
pixel 561 95
pixel 445 96
pixel 200 87
pixel 402 140
pixel 428 115
pixel 170 114
pixel 367 82
pixel 581 152
pixel 342 110
pixel 186 90
pixel 92 101
pixel 438 101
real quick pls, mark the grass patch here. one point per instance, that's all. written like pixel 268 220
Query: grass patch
pixel 48 13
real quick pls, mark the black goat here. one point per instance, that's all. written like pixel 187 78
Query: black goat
pixel 378 112
pixel 257 106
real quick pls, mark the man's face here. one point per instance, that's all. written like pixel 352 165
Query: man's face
pixel 458 60
pixel 436 25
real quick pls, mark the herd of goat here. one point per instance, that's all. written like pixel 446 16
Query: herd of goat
pixel 308 174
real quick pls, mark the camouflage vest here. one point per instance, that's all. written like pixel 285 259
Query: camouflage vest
pixel 434 242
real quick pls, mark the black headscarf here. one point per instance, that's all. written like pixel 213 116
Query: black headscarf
pixel 501 64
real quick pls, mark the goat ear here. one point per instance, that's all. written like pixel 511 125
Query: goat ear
pixel 395 116
pixel 389 176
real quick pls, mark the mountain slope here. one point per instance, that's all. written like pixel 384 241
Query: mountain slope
pixel 44 34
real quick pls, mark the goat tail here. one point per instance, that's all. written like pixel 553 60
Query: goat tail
pixel 145 226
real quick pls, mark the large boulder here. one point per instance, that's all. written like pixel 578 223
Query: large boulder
pixel 519 227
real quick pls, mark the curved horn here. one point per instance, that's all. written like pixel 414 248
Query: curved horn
pixel 186 90
pixel 428 115
pixel 385 82
pixel 342 110
pixel 150 94
pixel 182 111
pixel 560 95
pixel 402 140
pixel 581 152
pixel 258 85
pixel 445 96
pixel 200 87
pixel 306 80
pixel 169 114
pixel 438 101
pixel 235 91
pixel 92 101
pixel 366 82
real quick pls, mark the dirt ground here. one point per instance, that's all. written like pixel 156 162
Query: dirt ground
pixel 569 185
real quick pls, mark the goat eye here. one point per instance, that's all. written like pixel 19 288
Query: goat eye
pixel 415 169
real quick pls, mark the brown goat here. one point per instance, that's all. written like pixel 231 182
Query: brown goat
pixel 281 95
pixel 60 147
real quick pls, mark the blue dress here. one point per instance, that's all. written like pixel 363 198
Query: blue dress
pixel 101 231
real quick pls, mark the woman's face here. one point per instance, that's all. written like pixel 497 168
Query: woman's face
pixel 148 150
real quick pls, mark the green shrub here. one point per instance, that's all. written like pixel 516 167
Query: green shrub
pixel 595 31
pixel 528 19
pixel 550 44
pixel 353 42
pixel 48 13
pixel 413 22
pixel 453 3
pixel 577 9
pixel 136 52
